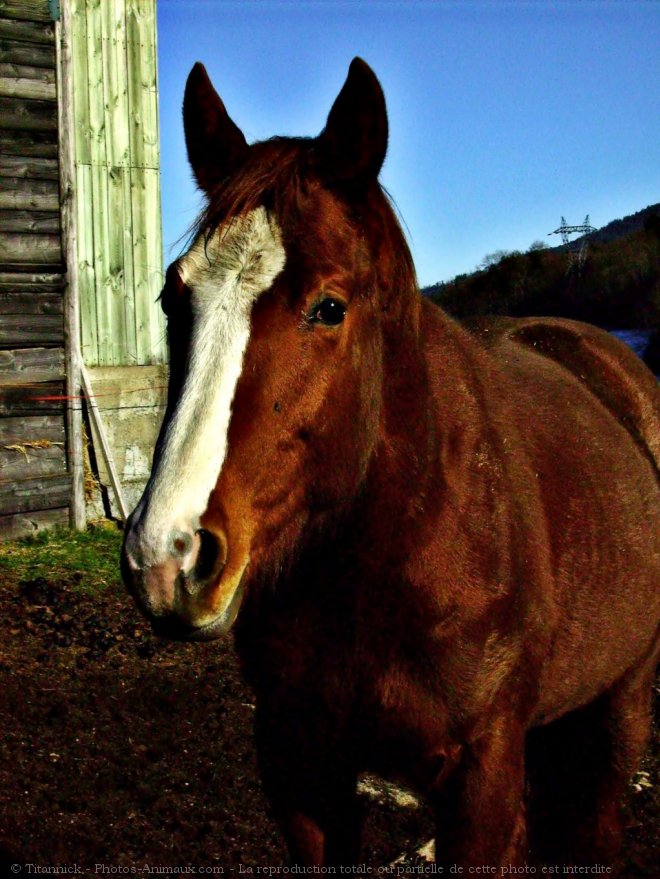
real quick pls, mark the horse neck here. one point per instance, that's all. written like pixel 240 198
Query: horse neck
pixel 432 401
pixel 403 461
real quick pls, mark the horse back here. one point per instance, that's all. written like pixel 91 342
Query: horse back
pixel 598 360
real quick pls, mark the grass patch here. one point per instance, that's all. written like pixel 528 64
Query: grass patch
pixel 88 560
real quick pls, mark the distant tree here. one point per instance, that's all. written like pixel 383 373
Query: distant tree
pixel 492 259
pixel 652 225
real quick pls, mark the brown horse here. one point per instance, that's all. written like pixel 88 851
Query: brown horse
pixel 440 546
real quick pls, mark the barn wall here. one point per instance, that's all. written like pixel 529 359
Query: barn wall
pixel 112 79
pixel 35 483
pixel 79 184
pixel 118 249
pixel 116 158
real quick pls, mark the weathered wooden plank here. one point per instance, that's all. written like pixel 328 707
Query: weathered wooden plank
pixel 109 334
pixel 145 183
pixel 20 115
pixel 20 193
pixel 31 428
pixel 96 114
pixel 86 266
pixel 30 221
pixel 26 366
pixel 40 144
pixel 10 70
pixel 32 54
pixel 27 81
pixel 158 352
pixel 30 458
pixel 23 524
pixel 120 268
pixel 140 263
pixel 27 200
pixel 29 167
pixel 25 304
pixel 129 270
pixel 91 173
pixel 27 31
pixel 41 398
pixel 24 282
pixel 116 344
pixel 142 85
pixel 20 302
pixel 115 85
pixel 29 266
pixel 80 80
pixel 27 89
pixel 41 493
pixel 18 250
pixel 31 446
pixel 23 185
pixel 30 10
pixel 147 267
pixel 33 332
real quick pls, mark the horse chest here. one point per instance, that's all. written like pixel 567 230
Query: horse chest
pixel 393 715
pixel 406 731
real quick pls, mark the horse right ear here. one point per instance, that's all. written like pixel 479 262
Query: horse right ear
pixel 353 144
pixel 215 144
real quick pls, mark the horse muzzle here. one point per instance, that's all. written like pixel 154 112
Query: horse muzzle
pixel 191 590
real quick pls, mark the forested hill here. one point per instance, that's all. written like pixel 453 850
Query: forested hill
pixel 617 287
pixel 626 226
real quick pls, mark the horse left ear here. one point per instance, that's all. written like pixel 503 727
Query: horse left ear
pixel 215 144
pixel 353 144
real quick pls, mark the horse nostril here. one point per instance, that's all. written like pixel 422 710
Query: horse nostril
pixel 207 555
pixel 199 556
pixel 207 563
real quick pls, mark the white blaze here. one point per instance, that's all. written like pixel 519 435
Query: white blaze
pixel 225 275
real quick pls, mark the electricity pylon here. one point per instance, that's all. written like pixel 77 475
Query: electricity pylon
pixel 577 250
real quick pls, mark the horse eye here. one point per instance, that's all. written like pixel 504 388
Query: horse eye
pixel 328 311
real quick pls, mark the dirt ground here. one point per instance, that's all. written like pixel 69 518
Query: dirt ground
pixel 120 753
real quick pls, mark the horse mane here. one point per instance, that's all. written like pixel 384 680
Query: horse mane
pixel 278 172
pixel 269 176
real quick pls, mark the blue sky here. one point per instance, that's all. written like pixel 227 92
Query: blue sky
pixel 504 116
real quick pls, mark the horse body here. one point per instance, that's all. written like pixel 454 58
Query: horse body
pixel 432 540
pixel 506 599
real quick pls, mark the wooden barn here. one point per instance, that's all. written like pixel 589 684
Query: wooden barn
pixel 82 342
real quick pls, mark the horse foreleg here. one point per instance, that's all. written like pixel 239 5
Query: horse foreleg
pixel 580 768
pixel 312 792
pixel 480 814
pixel 316 835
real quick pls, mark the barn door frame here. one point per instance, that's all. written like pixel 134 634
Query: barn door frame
pixel 68 214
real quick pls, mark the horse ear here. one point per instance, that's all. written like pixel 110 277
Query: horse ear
pixel 353 144
pixel 215 144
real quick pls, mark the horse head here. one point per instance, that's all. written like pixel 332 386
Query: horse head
pixel 279 318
